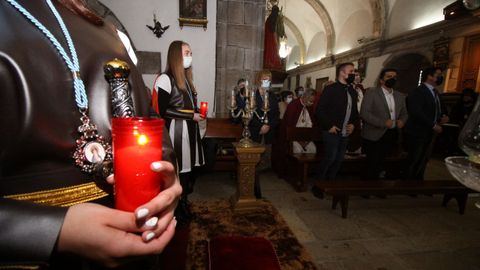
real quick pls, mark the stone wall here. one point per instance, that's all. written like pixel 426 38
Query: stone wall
pixel 239 46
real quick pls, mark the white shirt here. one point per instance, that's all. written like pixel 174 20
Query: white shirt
pixel 391 104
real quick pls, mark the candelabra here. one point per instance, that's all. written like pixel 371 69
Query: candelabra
pixel 248 112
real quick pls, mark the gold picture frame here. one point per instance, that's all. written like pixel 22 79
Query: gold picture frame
pixel 193 13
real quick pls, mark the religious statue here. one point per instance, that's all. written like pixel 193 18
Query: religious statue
pixel 274 30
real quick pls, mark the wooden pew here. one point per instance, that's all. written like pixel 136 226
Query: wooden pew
pixel 223 131
pixel 341 190
pixel 298 164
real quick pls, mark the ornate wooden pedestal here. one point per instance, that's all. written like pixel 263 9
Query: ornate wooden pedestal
pixel 244 199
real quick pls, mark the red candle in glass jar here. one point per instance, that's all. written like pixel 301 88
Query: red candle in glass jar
pixel 203 109
pixel 137 142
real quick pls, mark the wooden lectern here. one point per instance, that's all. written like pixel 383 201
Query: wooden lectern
pixel 248 158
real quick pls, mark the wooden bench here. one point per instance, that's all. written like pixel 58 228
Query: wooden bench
pixel 353 167
pixel 341 190
pixel 222 131
pixel 298 164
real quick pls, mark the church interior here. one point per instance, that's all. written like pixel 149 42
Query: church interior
pixel 263 202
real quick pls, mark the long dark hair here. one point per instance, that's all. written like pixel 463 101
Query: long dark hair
pixel 175 66
pixel 80 8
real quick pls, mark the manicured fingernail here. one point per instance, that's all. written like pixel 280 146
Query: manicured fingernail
pixel 156 166
pixel 141 213
pixel 151 222
pixel 149 236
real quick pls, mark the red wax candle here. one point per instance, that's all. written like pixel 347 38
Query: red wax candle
pixel 203 108
pixel 137 142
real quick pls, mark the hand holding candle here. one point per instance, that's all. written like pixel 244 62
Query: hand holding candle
pixel 137 143
pixel 204 109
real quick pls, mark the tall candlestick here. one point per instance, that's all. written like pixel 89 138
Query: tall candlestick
pixel 265 101
pixel 137 143
pixel 233 102
pixel 253 103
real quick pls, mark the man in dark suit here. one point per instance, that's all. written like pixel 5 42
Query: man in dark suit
pixel 426 115
pixel 383 112
pixel 337 112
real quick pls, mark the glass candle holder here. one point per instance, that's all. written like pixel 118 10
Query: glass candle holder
pixel 203 109
pixel 137 142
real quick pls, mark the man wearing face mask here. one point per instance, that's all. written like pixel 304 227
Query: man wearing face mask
pixel 337 112
pixel 426 115
pixel 383 112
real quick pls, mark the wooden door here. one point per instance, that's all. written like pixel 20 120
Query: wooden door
pixel 320 84
pixel 470 64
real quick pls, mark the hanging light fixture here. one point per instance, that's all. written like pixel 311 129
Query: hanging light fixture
pixel 284 50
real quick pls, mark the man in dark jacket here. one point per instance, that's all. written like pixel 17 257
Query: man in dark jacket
pixel 426 115
pixel 337 113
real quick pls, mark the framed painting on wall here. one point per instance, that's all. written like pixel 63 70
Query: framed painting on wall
pixel 193 13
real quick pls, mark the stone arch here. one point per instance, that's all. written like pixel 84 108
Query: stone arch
pixel 292 58
pixel 327 23
pixel 317 47
pixel 352 29
pixel 298 36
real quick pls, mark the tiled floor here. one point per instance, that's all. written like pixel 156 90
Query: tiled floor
pixel 399 232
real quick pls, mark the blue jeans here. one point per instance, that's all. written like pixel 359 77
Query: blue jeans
pixel 335 147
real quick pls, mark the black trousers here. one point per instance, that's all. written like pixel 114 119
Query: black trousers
pixel 377 151
pixel 419 149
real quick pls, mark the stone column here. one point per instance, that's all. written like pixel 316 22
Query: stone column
pixel 244 199
pixel 240 26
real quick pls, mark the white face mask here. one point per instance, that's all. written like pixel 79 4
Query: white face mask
pixel 187 61
pixel 288 100
pixel 265 83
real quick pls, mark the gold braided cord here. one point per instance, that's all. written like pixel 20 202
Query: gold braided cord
pixel 63 197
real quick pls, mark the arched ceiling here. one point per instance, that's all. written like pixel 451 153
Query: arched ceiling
pixel 340 24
